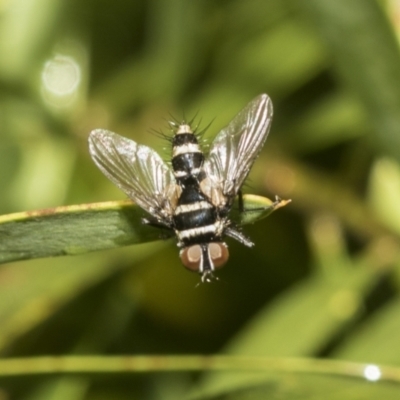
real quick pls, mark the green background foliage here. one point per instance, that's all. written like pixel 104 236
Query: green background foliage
pixel 323 279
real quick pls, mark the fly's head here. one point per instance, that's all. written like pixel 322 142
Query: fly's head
pixel 205 258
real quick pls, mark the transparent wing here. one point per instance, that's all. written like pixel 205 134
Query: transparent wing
pixel 136 169
pixel 236 147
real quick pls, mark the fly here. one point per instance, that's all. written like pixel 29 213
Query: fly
pixel 194 197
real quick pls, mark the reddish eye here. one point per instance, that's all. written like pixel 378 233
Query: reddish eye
pixel 219 254
pixel 191 257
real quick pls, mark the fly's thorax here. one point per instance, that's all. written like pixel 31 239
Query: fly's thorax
pixel 205 258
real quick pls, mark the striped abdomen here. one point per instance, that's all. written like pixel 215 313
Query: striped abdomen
pixel 195 218
pixel 187 157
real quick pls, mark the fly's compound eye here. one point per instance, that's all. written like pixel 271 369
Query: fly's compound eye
pixel 219 254
pixel 192 257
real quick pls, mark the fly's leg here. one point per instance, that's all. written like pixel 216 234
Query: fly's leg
pixel 166 229
pixel 155 223
pixel 240 201
pixel 237 235
pixel 232 231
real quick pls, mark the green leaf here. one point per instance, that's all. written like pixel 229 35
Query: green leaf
pixel 376 339
pixel 367 58
pixel 26 27
pixel 307 387
pixel 78 229
pixel 274 378
pixel 32 292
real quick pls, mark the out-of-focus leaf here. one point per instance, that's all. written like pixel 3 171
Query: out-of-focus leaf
pixel 258 59
pixel 297 324
pixel 170 45
pixel 377 339
pixel 37 299
pixel 300 322
pixel 268 366
pixel 304 320
pixel 319 307
pixel 280 378
pixel 44 173
pixel 367 56
pixel 384 192
pixel 297 64
pixel 306 386
pixel 24 28
pixel 314 189
pixel 335 119
pixel 64 388
pixel 71 230
pixel 272 378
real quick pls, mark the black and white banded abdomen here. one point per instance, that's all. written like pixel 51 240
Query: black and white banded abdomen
pixel 187 157
pixel 195 218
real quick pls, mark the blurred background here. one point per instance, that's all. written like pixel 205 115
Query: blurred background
pixel 323 279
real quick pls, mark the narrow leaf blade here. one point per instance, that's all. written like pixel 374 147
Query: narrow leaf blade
pixel 79 229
